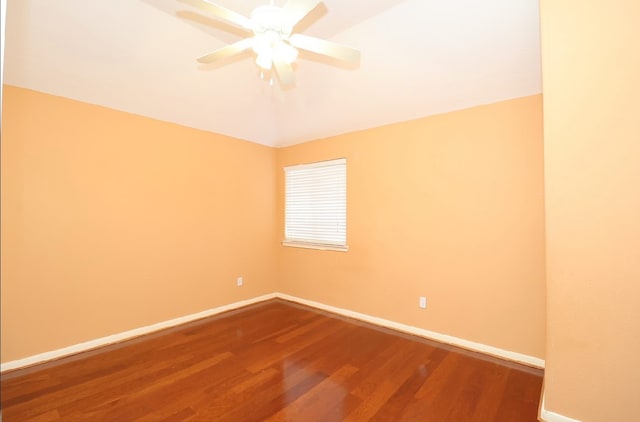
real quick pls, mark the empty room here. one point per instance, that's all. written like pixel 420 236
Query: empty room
pixel 305 210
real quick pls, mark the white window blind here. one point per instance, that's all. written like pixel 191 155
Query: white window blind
pixel 316 205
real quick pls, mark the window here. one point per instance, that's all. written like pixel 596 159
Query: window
pixel 316 205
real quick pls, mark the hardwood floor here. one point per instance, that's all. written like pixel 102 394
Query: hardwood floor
pixel 274 361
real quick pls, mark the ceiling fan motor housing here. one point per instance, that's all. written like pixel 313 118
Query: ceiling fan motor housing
pixel 270 18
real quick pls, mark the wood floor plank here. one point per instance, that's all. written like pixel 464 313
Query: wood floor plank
pixel 492 392
pixel 470 393
pixel 294 382
pixel 384 380
pixel 396 404
pixel 320 400
pixel 518 400
pixel 273 361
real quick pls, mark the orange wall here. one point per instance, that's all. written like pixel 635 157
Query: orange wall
pixel 112 221
pixel 451 207
pixel 591 82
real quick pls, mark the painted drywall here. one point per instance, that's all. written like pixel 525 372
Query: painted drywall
pixel 591 63
pixel 112 221
pixel 450 207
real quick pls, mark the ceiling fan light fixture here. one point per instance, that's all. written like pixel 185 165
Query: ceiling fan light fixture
pixel 263 42
pixel 269 45
pixel 264 60
pixel 286 51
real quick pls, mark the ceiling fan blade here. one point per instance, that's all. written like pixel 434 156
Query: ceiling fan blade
pixel 327 48
pixel 227 51
pixel 221 12
pixel 295 10
pixel 285 71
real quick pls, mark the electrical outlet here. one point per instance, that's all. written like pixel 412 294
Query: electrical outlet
pixel 239 281
pixel 423 302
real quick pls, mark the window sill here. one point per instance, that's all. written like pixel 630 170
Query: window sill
pixel 318 246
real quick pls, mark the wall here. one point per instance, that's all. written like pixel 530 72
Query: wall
pixel 591 63
pixel 112 221
pixel 451 207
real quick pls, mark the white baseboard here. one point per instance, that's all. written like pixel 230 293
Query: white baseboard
pixel 126 335
pixel 548 416
pixel 443 338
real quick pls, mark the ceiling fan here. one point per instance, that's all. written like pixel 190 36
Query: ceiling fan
pixel 273 42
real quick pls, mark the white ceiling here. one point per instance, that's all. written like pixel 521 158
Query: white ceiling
pixel 418 58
